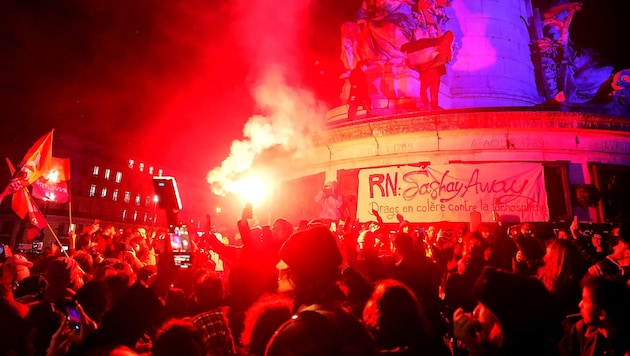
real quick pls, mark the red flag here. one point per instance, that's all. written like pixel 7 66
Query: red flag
pixel 24 205
pixel 19 203
pixel 36 220
pixel 425 53
pixel 52 185
pixel 37 160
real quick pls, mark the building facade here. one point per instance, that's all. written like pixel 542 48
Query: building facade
pixel 106 186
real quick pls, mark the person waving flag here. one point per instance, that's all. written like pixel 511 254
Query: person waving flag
pixel 37 160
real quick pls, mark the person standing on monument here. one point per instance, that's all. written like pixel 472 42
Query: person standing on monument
pixel 330 201
pixel 359 91
pixel 429 56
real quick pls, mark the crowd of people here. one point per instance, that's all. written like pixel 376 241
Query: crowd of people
pixel 353 289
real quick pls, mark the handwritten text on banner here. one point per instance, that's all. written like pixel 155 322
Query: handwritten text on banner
pixel 451 192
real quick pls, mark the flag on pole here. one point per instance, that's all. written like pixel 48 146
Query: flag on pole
pixel 25 207
pixel 36 161
pixel 53 184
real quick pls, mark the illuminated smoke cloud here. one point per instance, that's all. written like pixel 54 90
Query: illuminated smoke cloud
pixel 289 112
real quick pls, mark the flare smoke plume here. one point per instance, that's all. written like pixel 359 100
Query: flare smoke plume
pixel 289 112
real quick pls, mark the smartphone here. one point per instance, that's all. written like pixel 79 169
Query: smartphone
pixel 72 315
pixel 180 240
pixel 182 260
pixel 185 238
pixel 176 241
pixel 38 246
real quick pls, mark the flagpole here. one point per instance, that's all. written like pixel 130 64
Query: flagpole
pixel 34 206
pixel 70 208
pixel 7 191
pixel 56 239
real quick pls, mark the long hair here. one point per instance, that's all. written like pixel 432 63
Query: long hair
pixel 178 337
pixel 394 316
pixel 564 263
pixel 262 319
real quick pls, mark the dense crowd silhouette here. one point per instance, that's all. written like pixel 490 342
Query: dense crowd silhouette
pixel 361 289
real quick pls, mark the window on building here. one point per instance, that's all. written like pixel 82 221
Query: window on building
pixel 95 171
pixel 612 183
pixel 137 200
pixel 135 216
pixel 127 197
pixel 145 218
pixel 107 173
pixel 160 171
pixel 118 177
pixel 92 190
pixel 124 214
pixel 115 195
pixel 104 192
pixel 147 201
pixel 151 170
pixel 557 187
pixel 141 166
pixel 131 163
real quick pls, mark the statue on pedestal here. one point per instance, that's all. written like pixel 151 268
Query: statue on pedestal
pixel 377 36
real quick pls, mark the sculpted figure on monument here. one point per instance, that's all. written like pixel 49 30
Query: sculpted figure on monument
pixel 571 73
pixel 621 90
pixel 384 25
pixel 381 28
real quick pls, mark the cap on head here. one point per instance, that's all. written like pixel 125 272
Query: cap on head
pixel 312 253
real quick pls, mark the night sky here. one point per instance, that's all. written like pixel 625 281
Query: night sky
pixel 171 81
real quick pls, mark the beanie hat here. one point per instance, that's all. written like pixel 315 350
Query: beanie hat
pixel 519 302
pixel 312 253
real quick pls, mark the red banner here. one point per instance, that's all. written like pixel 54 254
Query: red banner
pixel 55 192
pixel 52 185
